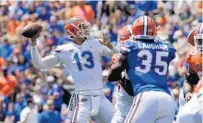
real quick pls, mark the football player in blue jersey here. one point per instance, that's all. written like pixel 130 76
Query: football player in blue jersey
pixel 146 62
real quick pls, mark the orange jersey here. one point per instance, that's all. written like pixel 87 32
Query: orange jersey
pixel 194 60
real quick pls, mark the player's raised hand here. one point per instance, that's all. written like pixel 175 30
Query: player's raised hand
pixel 106 41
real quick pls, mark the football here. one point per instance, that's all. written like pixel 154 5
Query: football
pixel 31 30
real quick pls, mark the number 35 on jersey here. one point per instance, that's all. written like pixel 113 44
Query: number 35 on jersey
pixel 148 63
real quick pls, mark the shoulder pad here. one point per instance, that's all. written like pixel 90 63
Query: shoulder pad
pixel 62 47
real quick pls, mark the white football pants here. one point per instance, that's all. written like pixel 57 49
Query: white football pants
pixel 122 106
pixel 191 112
pixel 82 107
pixel 152 107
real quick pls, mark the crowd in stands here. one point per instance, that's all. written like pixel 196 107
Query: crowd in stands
pixel 46 93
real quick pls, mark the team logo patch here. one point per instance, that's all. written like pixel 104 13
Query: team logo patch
pixel 84 99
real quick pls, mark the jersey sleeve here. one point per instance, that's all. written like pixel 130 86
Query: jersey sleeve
pixel 43 63
pixel 105 51
pixel 60 53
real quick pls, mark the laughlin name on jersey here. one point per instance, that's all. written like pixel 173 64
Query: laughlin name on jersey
pixel 153 46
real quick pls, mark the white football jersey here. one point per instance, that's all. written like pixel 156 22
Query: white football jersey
pixel 191 112
pixel 83 63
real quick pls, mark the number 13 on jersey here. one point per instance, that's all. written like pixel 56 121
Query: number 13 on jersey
pixel 87 55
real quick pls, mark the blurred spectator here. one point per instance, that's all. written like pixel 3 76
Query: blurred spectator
pixel 8 83
pixel 198 10
pixel 181 44
pixel 2 62
pixel 57 92
pixel 2 113
pixel 12 26
pixel 55 25
pixel 29 113
pixel 51 115
pixel 83 10
pixel 11 116
pixel 6 48
pixel 146 5
pixel 43 12
pixel 19 105
pixel 36 95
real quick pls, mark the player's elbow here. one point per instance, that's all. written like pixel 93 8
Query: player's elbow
pixel 38 65
pixel 115 50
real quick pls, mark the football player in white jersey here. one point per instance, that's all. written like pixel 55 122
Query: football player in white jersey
pixel 125 91
pixel 191 112
pixel 83 58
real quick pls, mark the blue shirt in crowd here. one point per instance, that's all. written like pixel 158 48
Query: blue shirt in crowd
pixel 50 117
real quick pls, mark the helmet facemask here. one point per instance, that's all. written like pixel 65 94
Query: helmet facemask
pixel 84 31
pixel 198 43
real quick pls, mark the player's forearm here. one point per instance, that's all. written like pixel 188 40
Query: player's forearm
pixel 47 62
pixel 115 50
pixel 109 52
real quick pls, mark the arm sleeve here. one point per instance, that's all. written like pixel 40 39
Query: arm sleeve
pixel 105 51
pixel 43 63
pixel 117 68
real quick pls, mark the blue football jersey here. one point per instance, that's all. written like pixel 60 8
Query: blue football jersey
pixel 148 64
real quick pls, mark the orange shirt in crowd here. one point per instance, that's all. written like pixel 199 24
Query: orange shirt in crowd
pixel 11 27
pixel 7 84
pixel 2 62
pixel 85 11
pixel 198 6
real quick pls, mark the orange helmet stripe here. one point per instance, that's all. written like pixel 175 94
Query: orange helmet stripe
pixel 192 31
